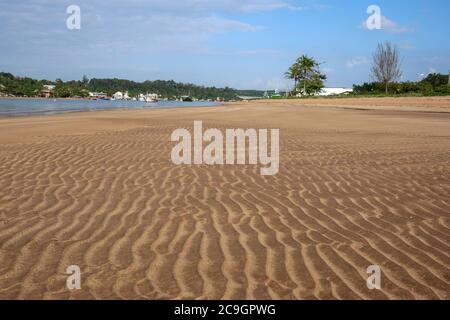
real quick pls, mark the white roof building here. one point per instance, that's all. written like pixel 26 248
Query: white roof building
pixel 97 94
pixel 334 91
pixel 49 87
pixel 118 95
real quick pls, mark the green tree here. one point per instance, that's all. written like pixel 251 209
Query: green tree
pixel 293 73
pixel 306 75
pixel 20 86
pixel 436 79
pixel 85 81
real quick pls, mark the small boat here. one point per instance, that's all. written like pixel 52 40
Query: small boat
pixel 151 98
pixel 186 99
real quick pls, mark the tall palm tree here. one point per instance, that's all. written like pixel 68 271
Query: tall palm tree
pixel 293 73
pixel 307 66
pixel 305 70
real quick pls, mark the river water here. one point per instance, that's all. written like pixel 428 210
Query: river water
pixel 22 107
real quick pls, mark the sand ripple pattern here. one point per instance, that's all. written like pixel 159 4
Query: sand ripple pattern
pixel 142 228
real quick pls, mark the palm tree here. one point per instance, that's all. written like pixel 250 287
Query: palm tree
pixel 305 71
pixel 307 67
pixel 293 73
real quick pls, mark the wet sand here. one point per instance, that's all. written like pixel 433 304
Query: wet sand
pixel 361 182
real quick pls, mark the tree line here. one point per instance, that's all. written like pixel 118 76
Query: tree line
pixel 385 73
pixel 433 85
pixel 24 86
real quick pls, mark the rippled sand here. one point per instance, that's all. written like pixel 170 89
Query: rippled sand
pixel 356 187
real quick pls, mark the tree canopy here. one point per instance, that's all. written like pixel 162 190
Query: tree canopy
pixel 308 79
pixel 433 85
pixel 19 86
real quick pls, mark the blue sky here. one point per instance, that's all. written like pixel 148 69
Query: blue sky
pixel 246 44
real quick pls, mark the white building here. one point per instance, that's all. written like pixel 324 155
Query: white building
pixel 151 97
pixel 98 95
pixel 334 91
pixel 118 95
pixel 49 87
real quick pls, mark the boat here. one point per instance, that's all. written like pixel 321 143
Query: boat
pixel 149 98
pixel 186 98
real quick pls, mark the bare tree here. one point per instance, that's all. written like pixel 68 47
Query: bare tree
pixel 386 64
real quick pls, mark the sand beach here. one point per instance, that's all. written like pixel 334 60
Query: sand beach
pixel 361 182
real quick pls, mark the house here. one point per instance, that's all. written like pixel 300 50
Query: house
pixel 118 95
pixel 46 93
pixel 47 90
pixel 98 95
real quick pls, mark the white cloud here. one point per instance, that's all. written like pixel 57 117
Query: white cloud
pixel 198 25
pixel 357 61
pixel 390 26
pixel 138 36
pixel 146 26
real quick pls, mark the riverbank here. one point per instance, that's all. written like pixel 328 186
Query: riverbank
pixel 26 107
pixel 419 104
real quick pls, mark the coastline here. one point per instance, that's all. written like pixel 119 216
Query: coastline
pixel 38 107
pixel 39 98
pixel 412 104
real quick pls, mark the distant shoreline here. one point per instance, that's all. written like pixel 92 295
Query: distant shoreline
pixel 379 104
pixel 22 107
pixel 40 98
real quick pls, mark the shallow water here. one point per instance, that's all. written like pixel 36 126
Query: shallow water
pixel 21 107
